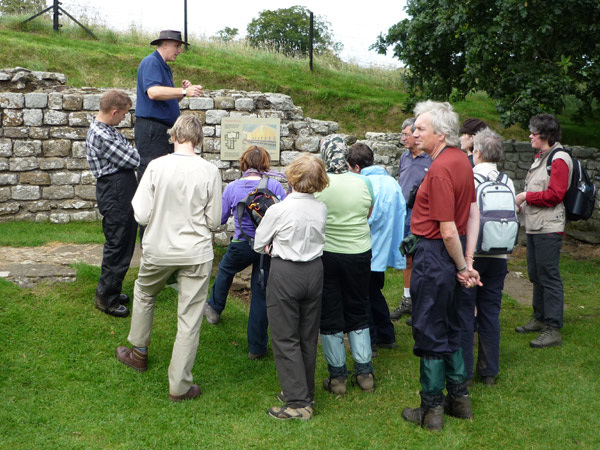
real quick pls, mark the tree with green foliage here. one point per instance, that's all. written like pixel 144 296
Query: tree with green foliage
pixel 15 7
pixel 287 29
pixel 527 55
pixel 227 34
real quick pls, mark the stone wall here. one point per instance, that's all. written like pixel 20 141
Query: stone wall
pixel 44 175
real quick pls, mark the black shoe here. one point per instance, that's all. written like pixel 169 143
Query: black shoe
pixel 488 381
pixel 409 321
pixel 124 299
pixel 404 308
pixel 121 311
pixel 387 344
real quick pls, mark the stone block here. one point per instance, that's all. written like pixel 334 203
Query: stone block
pixel 204 103
pixel 214 159
pixel 59 147
pixel 37 177
pixel 298 125
pixel 27 148
pixel 5 148
pixel 72 102
pixel 244 104
pixel 57 192
pixel 84 216
pixel 12 118
pixel 77 164
pixel 319 126
pixel 8 179
pixel 41 217
pixel 68 133
pixel 4 164
pixel 271 114
pixel 21 192
pixel 208 131
pixel 286 143
pixel 308 143
pixel 78 149
pixel 125 123
pixel 8 208
pixel 52 117
pixel 295 113
pixel 65 178
pixel 33 117
pixel 91 102
pixel 4 194
pixel 38 133
pixel 60 217
pixel 40 205
pixel 87 177
pixel 129 134
pixel 287 157
pixel 224 103
pixel 75 204
pixel 212 145
pixel 55 100
pixel 23 164
pixel 221 238
pixel 280 102
pixel 86 192
pixel 16 132
pixel 12 100
pixel 214 116
pixel 284 130
pixel 51 163
pixel 230 174
pixel 36 100
pixel 242 114
pixel 80 118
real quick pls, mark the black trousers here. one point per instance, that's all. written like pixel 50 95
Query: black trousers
pixel 381 327
pixel 151 141
pixel 114 194
pixel 294 306
pixel 345 292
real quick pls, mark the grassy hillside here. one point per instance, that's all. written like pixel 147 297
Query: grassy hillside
pixel 358 99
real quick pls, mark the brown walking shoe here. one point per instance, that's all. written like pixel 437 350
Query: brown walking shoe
pixel 459 407
pixel 132 357
pixel 433 419
pixel 193 392
pixel 404 308
pixel 335 385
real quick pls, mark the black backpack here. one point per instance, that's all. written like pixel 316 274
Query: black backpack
pixel 581 195
pixel 255 205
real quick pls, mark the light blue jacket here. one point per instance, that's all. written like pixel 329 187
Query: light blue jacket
pixel 386 221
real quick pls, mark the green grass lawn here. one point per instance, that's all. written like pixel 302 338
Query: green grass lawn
pixel 61 386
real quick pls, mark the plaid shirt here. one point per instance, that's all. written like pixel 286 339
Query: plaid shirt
pixel 108 151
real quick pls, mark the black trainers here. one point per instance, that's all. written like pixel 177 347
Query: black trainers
pixel 404 308
pixel 549 337
pixel 531 327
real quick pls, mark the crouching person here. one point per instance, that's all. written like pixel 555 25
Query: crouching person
pixel 179 200
pixel 293 233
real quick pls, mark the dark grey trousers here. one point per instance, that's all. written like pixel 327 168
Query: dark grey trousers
pixel 294 293
pixel 543 255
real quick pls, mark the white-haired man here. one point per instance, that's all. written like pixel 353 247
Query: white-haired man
pixel 445 219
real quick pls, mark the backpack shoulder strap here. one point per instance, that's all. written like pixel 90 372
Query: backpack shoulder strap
pixel 240 210
pixel 551 157
pixel 262 184
pixel 502 178
pixel 480 178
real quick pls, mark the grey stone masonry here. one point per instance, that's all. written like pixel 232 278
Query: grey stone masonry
pixel 44 174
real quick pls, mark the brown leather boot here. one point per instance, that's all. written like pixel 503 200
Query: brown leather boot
pixel 132 357
pixel 193 392
pixel 459 407
pixel 432 419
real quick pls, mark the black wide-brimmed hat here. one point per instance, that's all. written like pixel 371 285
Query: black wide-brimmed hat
pixel 169 35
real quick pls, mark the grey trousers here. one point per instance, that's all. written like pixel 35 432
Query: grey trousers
pixel 294 293
pixel 543 255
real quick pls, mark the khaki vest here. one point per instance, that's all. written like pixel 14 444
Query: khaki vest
pixel 541 219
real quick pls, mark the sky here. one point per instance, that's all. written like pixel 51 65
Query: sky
pixel 357 27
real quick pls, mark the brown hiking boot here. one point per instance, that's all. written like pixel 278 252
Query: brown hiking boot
pixel 432 420
pixel 193 392
pixel 335 385
pixel 530 327
pixel 366 381
pixel 132 357
pixel 404 308
pixel 459 407
pixel 549 337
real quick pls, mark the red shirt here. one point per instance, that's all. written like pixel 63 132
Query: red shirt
pixel 445 195
pixel 557 186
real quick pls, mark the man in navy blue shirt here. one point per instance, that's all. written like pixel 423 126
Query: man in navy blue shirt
pixel 157 106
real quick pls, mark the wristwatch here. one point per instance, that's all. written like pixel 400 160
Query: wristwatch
pixel 183 92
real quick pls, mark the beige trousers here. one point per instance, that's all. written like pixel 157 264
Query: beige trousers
pixel 193 289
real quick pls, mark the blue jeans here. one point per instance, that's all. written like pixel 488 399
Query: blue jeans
pixel 238 256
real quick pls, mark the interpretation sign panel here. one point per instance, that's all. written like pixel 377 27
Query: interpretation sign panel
pixel 238 134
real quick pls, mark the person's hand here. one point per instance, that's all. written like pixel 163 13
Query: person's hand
pixel 268 249
pixel 194 90
pixel 469 278
pixel 186 84
pixel 519 199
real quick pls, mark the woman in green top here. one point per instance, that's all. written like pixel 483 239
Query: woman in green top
pixel 346 261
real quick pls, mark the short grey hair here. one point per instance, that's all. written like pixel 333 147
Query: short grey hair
pixel 444 119
pixel 490 144
pixel 409 123
pixel 187 128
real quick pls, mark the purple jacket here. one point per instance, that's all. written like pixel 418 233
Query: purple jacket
pixel 236 192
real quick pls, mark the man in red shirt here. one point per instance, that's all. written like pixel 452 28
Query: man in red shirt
pixel 446 221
